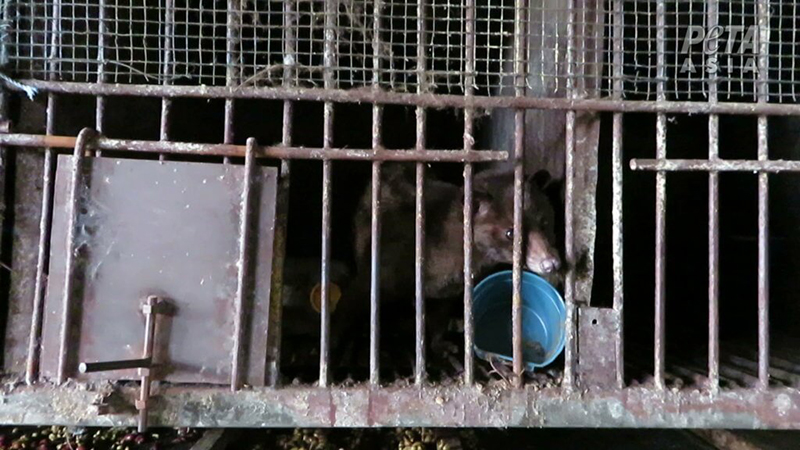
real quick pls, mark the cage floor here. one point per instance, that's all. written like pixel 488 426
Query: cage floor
pixel 738 365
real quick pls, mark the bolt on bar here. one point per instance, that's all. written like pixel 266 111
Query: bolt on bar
pixel 570 349
pixel 329 59
pixel 82 144
pixel 167 71
pixel 616 191
pixel 661 198
pixel 34 349
pixel 375 210
pixel 469 143
pixel 276 302
pixel 150 309
pixel 520 82
pixel 243 288
pixel 763 201
pixel 419 194
pixel 712 20
pixel 106 366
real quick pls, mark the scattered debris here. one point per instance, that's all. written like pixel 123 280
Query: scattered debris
pixel 63 438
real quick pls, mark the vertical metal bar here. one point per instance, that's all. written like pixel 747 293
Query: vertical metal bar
pixel 81 145
pixel 276 307
pixel 374 336
pixel 147 353
pixel 520 70
pixel 326 252
pixel 327 143
pixel 616 191
pixel 419 222
pixel 661 199
pixel 468 319
pixel 763 196
pixel 469 142
pixel 516 279
pixel 32 364
pixel 167 71
pixel 570 349
pixel 232 65
pixel 100 101
pixel 242 287
pixel 569 250
pixel 377 114
pixel 5 39
pixel 712 14
pixel 5 97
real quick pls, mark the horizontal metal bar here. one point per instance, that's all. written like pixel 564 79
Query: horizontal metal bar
pixel 412 99
pixel 278 152
pixel 439 406
pixel 704 165
pixel 105 366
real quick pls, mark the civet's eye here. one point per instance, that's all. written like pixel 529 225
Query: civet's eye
pixel 510 234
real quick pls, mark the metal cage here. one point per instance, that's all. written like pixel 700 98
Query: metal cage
pixel 554 63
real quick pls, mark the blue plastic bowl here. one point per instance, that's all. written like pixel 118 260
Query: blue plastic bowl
pixel 543 319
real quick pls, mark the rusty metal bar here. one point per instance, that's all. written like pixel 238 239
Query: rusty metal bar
pixel 282 207
pixel 32 365
pixel 274 334
pixel 413 99
pixel 419 219
pixel 5 39
pixel 403 406
pixel 661 199
pixel 277 152
pixel 419 269
pixel 144 364
pixel 167 71
pixel 375 212
pixel 469 143
pixel 763 198
pixel 329 59
pixel 712 20
pixel 616 191
pixel 374 280
pixel 123 364
pixel 82 143
pixel 570 348
pixel 242 287
pixel 520 70
pixel 469 364
pixel 34 349
pixel 516 274
pixel 232 63
pixel 570 351
pixel 720 165
pixel 150 309
pixel 100 101
pixel 326 254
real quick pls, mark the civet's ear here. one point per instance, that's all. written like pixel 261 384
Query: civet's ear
pixel 481 202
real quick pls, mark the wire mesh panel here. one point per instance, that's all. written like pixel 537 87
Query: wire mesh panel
pixel 695 50
pixel 67 32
